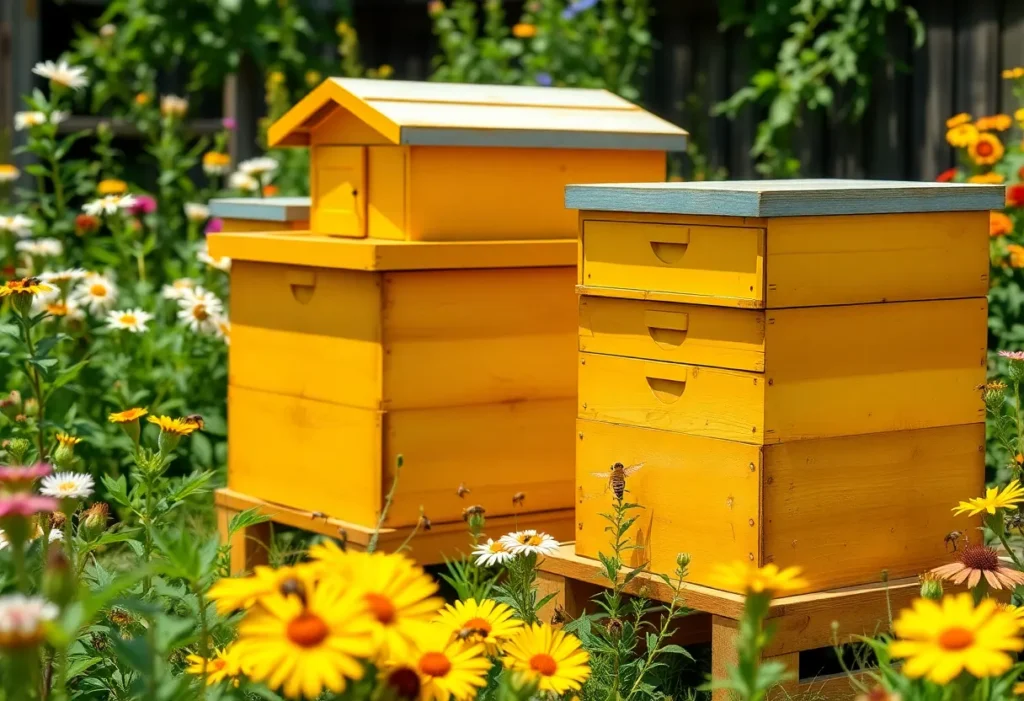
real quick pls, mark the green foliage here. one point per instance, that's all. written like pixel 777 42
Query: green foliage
pixel 806 53
pixel 586 43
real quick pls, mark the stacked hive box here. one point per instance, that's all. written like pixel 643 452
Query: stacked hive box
pixel 262 214
pixel 796 364
pixel 430 310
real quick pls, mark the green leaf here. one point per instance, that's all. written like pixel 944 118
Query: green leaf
pixel 673 649
pixel 244 519
pixel 79 665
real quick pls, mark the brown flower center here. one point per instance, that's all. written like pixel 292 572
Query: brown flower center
pixel 307 630
pixel 405 682
pixel 436 664
pixel 200 312
pixel 215 665
pixel 956 639
pixel 478 624
pixel 544 663
pixel 979 557
pixel 984 149
pixel 381 607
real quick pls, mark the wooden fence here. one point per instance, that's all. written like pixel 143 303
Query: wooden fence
pixel 695 66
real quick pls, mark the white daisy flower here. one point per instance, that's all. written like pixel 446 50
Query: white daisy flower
pixel 69 309
pixel 62 73
pixel 97 293
pixel 67 485
pixel 196 212
pixel 530 542
pixel 224 329
pixel 27 120
pixel 493 552
pixel 198 293
pixel 200 317
pixel 58 277
pixel 18 225
pixel 173 106
pixel 110 204
pixel 133 320
pixel 244 182
pixel 258 167
pixel 22 618
pixel 58 116
pixel 223 263
pixel 177 289
pixel 40 247
pixel 56 535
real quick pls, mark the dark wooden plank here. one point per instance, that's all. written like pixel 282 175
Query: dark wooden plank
pixel 669 90
pixel 886 117
pixel 742 128
pixel 1011 50
pixel 977 53
pixel 845 140
pixel 712 85
pixel 933 93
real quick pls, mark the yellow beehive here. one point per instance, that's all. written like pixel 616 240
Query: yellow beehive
pixel 430 312
pixel 239 214
pixel 796 364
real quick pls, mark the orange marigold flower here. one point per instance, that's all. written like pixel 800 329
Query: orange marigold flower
pixel 989 178
pixel 999 224
pixel 946 176
pixel 957 120
pixel 524 31
pixel 271 190
pixel 1016 255
pixel 986 150
pixel 1015 195
pixel 123 417
pixel 996 122
pixel 962 136
pixel 178 427
pixel 1013 73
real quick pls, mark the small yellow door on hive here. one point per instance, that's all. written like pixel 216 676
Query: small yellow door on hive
pixel 339 188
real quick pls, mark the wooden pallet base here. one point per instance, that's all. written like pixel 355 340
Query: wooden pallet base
pixel 803 622
pixel 250 546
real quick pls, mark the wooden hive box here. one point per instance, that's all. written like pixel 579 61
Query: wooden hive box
pixel 796 363
pixel 430 311
pixel 241 214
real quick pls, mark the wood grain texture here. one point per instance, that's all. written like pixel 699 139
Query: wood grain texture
pixel 834 371
pixel 438 114
pixel 698 401
pixel 427 547
pixel 461 337
pixel 496 450
pixel 876 258
pixel 785 198
pixel 387 199
pixel 712 261
pixel 250 546
pixel 700 496
pixel 268 209
pixel 307 332
pixel 845 509
pixel 933 69
pixel 319 251
pixel 458 193
pixel 682 333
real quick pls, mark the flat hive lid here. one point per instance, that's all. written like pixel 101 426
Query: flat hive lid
pixel 282 209
pixel 785 198
pixel 449 114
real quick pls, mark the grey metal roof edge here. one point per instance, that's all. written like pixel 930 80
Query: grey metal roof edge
pixel 257 209
pixel 553 138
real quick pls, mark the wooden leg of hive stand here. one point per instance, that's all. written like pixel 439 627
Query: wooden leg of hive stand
pixel 724 635
pixel 249 546
pixel 570 595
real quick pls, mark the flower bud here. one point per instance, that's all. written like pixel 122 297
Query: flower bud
pixel 94 519
pixel 682 562
pixel 57 519
pixel 931 587
pixel 58 579
pixel 1016 371
pixel 16 451
pixel 614 628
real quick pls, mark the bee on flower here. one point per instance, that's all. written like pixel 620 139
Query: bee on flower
pixel 17 224
pixel 173 106
pixel 111 204
pixel 133 320
pixel 530 542
pixel 216 163
pixel 62 73
pixel 96 293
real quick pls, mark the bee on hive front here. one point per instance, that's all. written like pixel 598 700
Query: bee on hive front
pixel 617 477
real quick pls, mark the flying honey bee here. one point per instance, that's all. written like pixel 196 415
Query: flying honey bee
pixel 318 514
pixel 617 477
pixel 1015 522
pixel 196 420
pixel 475 510
pixel 951 538
pixel 559 616
pixel 425 523
pixel 518 498
pixel 343 537
pixel 462 491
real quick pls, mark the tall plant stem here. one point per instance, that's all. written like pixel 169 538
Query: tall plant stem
pixel 37 384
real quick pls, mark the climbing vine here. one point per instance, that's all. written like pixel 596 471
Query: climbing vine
pixel 805 53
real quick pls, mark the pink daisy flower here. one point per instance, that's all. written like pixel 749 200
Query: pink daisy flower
pixel 1012 355
pixel 22 504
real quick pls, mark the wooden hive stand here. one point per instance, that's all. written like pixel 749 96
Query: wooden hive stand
pixel 802 623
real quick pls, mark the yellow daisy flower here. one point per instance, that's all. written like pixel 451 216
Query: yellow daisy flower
pixel 1013 73
pixel 128 415
pixel 1006 498
pixel 962 135
pixel 25 286
pixel 1019 115
pixel 65 439
pixel 234 593
pixel 957 120
pixel 486 622
pixel 447 668
pixel 986 150
pixel 111 186
pixel 550 657
pixel 987 178
pixel 223 665
pixel 941 639
pixel 398 592
pixel 747 577
pixel 178 427
pixel 305 643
